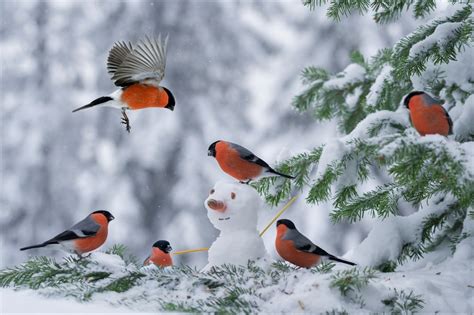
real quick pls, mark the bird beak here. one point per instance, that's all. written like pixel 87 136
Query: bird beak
pixel 209 153
pixel 112 217
pixel 171 108
pixel 169 249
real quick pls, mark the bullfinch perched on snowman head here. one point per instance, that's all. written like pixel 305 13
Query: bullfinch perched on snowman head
pixel 83 237
pixel 160 255
pixel 138 71
pixel 240 163
pixel 427 114
pixel 295 248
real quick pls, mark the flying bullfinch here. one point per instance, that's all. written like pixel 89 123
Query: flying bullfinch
pixel 295 248
pixel 240 163
pixel 427 114
pixel 160 255
pixel 83 237
pixel 138 71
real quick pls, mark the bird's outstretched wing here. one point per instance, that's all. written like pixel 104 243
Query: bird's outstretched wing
pixel 248 155
pixel 146 61
pixel 119 52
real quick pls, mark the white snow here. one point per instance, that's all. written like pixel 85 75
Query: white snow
pixel 464 125
pixel 352 73
pixel 239 239
pixel 444 286
pixel 29 301
pixel 385 240
pixel 376 87
pixel 440 37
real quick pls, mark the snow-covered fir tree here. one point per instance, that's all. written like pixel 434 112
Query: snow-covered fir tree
pixel 418 190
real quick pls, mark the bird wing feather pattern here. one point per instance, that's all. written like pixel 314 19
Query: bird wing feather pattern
pixel 304 244
pixel 248 155
pixel 119 52
pixel 145 61
pixel 85 228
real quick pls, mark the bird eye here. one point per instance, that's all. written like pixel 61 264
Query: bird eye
pixel 232 195
pixel 211 192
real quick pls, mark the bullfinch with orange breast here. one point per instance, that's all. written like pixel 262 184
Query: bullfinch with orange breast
pixel 83 237
pixel 160 255
pixel 138 71
pixel 427 114
pixel 297 249
pixel 240 163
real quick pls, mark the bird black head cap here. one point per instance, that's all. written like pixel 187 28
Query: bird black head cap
pixel 106 213
pixel 287 223
pixel 211 151
pixel 163 245
pixel 407 98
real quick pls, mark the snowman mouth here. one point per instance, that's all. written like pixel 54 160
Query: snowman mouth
pixel 224 219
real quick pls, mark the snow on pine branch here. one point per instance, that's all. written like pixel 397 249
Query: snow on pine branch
pixel 420 168
pixel 366 86
pixel 262 286
pixel 438 41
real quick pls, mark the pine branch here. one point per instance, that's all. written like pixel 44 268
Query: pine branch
pixel 352 280
pixel 403 303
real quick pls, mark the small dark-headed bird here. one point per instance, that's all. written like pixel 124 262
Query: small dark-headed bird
pixel 295 248
pixel 240 163
pixel 160 255
pixel 83 237
pixel 138 71
pixel 427 114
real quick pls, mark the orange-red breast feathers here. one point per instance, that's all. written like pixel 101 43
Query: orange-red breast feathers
pixel 428 118
pixel 233 164
pixel 287 250
pixel 84 245
pixel 159 258
pixel 138 96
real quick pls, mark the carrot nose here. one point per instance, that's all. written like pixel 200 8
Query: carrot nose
pixel 216 205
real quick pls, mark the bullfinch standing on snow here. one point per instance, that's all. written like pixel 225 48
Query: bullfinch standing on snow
pixel 295 248
pixel 160 255
pixel 427 114
pixel 240 163
pixel 138 71
pixel 83 237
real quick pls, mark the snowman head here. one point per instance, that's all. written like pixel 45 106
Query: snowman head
pixel 233 206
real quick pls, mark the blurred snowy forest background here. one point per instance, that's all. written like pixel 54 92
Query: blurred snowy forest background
pixel 233 68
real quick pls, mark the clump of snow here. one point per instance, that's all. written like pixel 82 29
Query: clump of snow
pixel 440 37
pixel 353 98
pixel 239 240
pixel 464 126
pixel 361 131
pixel 351 74
pixel 387 237
pixel 376 88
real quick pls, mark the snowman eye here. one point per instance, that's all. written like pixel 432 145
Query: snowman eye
pixel 232 195
pixel 211 192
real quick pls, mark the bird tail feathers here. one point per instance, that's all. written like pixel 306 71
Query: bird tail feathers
pixel 341 260
pixel 281 174
pixel 100 100
pixel 39 245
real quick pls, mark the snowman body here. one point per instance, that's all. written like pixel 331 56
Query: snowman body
pixel 233 209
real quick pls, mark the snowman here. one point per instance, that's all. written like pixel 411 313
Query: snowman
pixel 232 209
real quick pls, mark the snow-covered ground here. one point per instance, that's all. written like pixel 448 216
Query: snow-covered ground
pixel 447 287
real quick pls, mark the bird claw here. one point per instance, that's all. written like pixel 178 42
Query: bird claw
pixel 126 121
